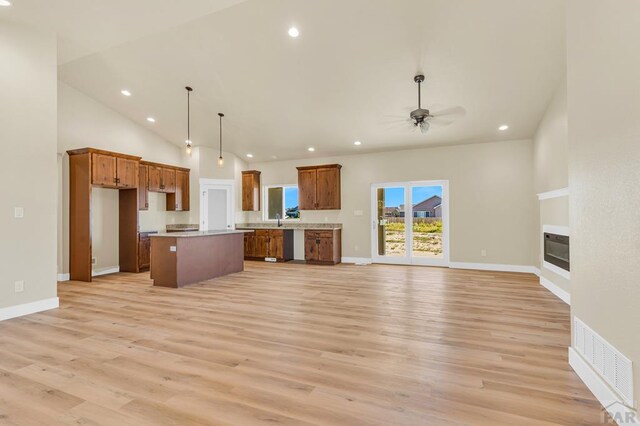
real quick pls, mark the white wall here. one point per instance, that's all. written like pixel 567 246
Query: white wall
pixel 84 122
pixel 603 40
pixel 550 173
pixel 29 172
pixel 492 201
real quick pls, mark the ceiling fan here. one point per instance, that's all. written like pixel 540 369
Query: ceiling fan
pixel 423 118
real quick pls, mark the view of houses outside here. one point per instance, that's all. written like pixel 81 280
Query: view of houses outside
pixel 427 222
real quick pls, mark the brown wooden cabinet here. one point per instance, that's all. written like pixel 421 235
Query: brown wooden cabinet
pixel 144 251
pixel 168 180
pixel 251 191
pixel 155 178
pixel 111 170
pixel 179 199
pixel 161 178
pixel 143 187
pixel 103 170
pixel 89 167
pixel 323 247
pixel 269 243
pixel 319 187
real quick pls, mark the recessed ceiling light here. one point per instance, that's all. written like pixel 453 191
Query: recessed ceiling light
pixel 151 119
pixel 503 127
pixel 5 3
pixel 311 149
pixel 125 92
pixel 357 143
pixel 293 32
pixel 250 155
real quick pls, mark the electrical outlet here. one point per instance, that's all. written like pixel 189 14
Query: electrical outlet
pixel 18 212
pixel 356 247
pixel 19 286
pixel 173 249
pixel 483 253
pixel 94 260
pixel 358 212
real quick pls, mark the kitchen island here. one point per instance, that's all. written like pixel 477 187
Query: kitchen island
pixel 183 258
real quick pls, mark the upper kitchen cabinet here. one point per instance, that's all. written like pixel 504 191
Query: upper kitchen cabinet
pixel 179 199
pixel 319 187
pixel 162 178
pixel 251 191
pixel 110 169
pixel 143 187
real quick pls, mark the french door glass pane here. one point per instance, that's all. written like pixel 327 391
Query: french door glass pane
pixel 392 234
pixel 426 222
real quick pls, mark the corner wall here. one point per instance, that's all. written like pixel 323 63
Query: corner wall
pixel 29 172
pixel 603 43
pixel 550 174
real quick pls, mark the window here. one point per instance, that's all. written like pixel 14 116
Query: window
pixel 281 200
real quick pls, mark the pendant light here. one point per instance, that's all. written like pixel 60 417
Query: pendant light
pixel 220 159
pixel 188 141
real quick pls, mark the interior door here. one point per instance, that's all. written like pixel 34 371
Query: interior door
pixel 216 206
pixel 410 223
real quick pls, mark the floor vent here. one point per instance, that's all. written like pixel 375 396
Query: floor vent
pixel 615 368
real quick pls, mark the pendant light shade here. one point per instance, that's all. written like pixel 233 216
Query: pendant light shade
pixel 188 141
pixel 220 159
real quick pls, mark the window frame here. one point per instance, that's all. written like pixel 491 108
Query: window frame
pixel 265 198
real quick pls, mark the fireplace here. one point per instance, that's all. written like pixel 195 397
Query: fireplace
pixel 556 250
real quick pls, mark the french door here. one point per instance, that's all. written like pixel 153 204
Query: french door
pixel 410 223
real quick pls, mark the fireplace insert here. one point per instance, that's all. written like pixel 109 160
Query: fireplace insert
pixel 556 250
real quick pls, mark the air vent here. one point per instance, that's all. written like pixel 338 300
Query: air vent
pixel 615 368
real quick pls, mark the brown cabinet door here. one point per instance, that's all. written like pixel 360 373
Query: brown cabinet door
pixel 328 189
pixel 251 191
pixel 310 246
pixel 143 187
pixel 103 170
pixel 184 189
pixel 155 179
pixel 249 245
pixel 168 180
pixel 276 244
pixel 144 253
pixel 127 173
pixel 325 249
pixel 307 189
pixel 262 242
pixel 178 201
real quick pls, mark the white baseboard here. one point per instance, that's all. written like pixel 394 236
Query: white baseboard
pixel 556 270
pixel 622 414
pixel 562 294
pixel 28 308
pixel 495 267
pixel 358 260
pixel 106 271
pixel 64 277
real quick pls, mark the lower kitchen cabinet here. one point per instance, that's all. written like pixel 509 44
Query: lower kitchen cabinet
pixel 144 251
pixel 269 244
pixel 323 247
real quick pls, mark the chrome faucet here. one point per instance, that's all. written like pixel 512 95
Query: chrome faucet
pixel 278 218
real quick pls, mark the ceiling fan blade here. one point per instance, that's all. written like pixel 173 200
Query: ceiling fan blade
pixel 451 113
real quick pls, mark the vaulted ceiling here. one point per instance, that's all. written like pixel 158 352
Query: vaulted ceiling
pixel 347 77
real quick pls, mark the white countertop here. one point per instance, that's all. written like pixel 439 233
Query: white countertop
pixel 196 233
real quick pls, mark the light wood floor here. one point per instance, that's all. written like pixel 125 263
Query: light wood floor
pixel 296 344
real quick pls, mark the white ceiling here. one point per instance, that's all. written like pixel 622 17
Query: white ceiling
pixel 89 26
pixel 344 79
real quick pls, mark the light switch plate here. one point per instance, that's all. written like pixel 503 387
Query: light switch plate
pixel 358 213
pixel 19 286
pixel 173 249
pixel 18 212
